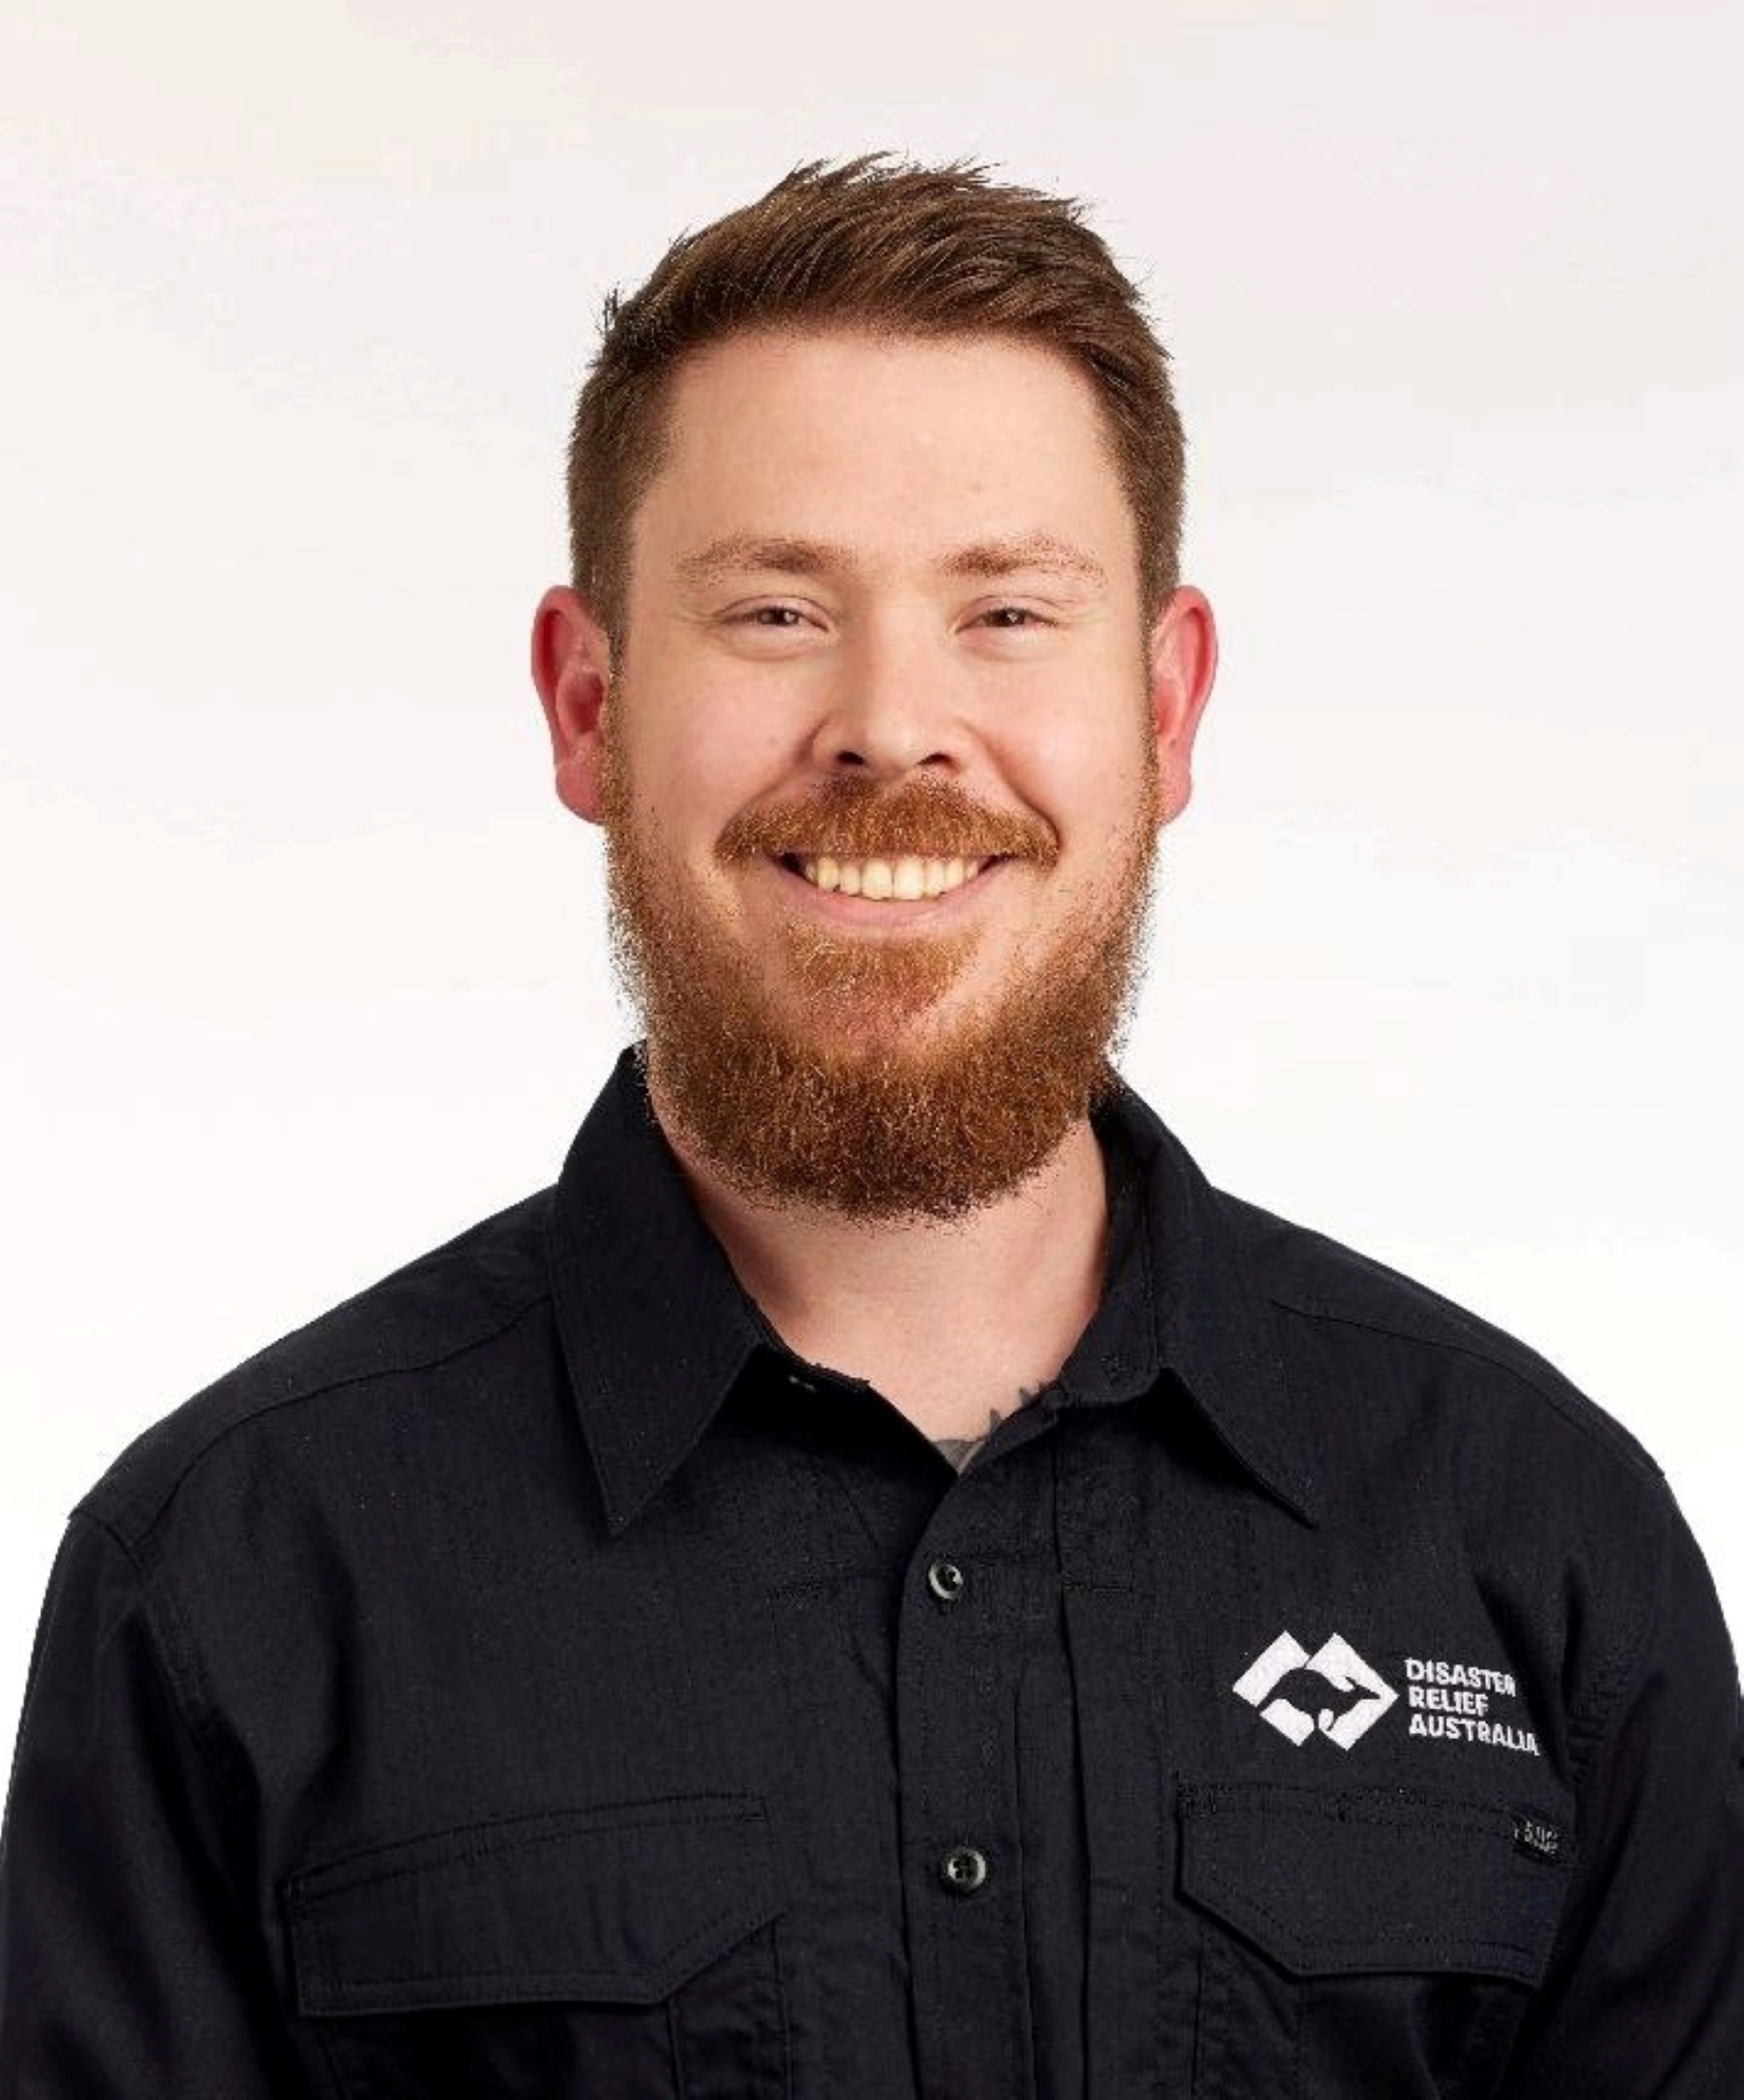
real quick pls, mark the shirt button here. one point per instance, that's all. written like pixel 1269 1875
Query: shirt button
pixel 963 1869
pixel 946 1581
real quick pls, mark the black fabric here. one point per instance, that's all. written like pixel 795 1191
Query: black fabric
pixel 532 1678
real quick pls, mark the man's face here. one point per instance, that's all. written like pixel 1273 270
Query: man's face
pixel 883 611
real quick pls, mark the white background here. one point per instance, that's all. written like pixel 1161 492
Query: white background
pixel 302 964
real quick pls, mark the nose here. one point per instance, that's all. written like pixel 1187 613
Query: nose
pixel 890 707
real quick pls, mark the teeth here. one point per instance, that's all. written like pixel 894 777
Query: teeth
pixel 905 879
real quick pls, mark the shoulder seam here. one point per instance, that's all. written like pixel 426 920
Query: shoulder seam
pixel 82 1514
pixel 1608 1691
pixel 1597 1427
pixel 315 1390
pixel 156 1598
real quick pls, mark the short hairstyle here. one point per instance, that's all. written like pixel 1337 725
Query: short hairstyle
pixel 884 245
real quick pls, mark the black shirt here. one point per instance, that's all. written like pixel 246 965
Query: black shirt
pixel 533 1678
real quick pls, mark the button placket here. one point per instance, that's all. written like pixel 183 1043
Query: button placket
pixel 962 1616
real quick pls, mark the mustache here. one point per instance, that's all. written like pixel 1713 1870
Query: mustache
pixel 852 820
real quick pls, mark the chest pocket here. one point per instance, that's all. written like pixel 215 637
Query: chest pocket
pixel 1381 1940
pixel 611 1951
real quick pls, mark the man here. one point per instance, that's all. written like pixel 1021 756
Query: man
pixel 882 1582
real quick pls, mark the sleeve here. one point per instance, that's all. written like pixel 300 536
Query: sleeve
pixel 1645 1994
pixel 127 1967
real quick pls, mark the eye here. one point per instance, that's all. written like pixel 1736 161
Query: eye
pixel 768 629
pixel 761 622
pixel 767 625
pixel 1013 619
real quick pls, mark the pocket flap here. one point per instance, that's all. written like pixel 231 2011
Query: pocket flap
pixel 622 1903
pixel 1366 1881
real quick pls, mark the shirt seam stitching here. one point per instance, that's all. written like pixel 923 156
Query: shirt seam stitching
pixel 177 1668
pixel 319 1389
pixel 1591 1726
pixel 1606 1435
pixel 583 1823
pixel 1240 1899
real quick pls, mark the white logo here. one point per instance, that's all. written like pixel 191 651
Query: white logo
pixel 1333 1691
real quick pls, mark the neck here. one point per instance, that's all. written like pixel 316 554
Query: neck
pixel 925 1309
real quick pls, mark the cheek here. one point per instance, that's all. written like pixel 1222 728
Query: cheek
pixel 721 723
pixel 685 749
pixel 1085 784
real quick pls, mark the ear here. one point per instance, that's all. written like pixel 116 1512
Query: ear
pixel 572 670
pixel 1183 663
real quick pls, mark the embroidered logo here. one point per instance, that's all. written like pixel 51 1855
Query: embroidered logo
pixel 1465 1702
pixel 1333 1692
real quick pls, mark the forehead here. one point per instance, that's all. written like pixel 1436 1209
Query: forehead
pixel 890 442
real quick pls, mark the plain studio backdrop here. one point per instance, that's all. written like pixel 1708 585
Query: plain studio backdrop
pixel 303 965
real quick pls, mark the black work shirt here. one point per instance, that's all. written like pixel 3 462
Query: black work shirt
pixel 533 1678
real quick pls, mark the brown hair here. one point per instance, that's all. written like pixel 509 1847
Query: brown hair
pixel 884 245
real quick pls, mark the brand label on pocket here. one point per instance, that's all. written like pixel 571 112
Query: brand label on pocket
pixel 1537 1839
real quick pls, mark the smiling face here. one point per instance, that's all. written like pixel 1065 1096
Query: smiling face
pixel 882 762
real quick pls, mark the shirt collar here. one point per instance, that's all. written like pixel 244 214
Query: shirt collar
pixel 657 1328
pixel 1181 1302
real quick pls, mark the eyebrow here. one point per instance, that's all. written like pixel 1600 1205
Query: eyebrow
pixel 1036 551
pixel 741 553
pixel 744 553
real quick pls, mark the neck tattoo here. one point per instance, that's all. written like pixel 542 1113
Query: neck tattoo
pixel 960 1449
